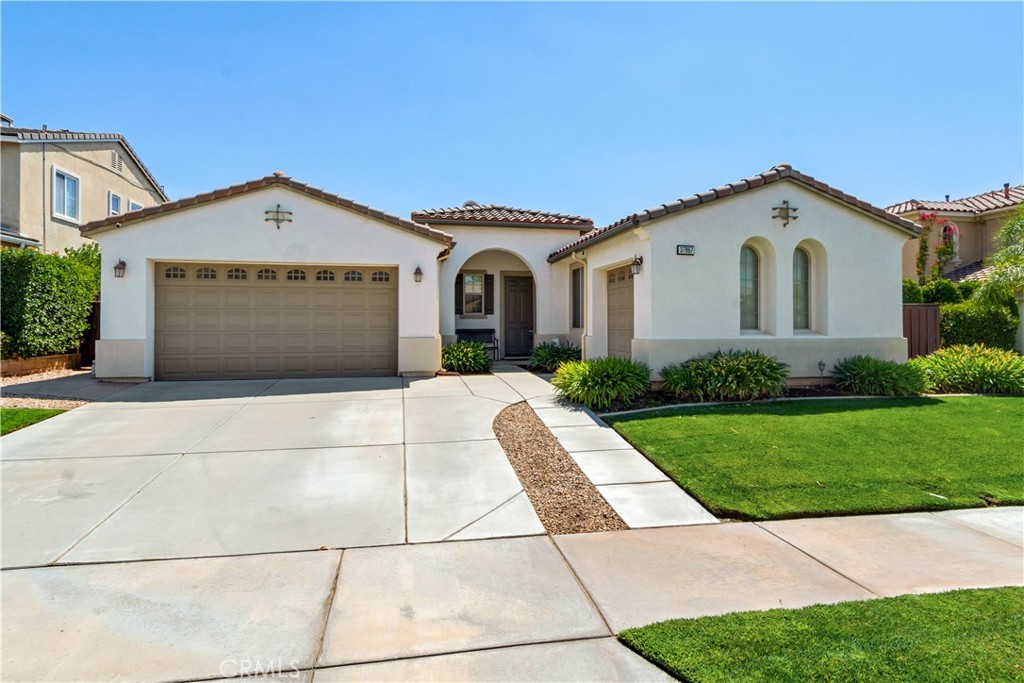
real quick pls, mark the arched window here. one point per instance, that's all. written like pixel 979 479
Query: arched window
pixel 266 274
pixel 237 274
pixel 325 276
pixel 174 273
pixel 296 274
pixel 380 276
pixel 206 274
pixel 801 289
pixel 353 276
pixel 951 235
pixel 749 289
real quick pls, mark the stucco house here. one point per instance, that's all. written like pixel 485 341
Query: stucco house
pixel 274 278
pixel 977 219
pixel 55 181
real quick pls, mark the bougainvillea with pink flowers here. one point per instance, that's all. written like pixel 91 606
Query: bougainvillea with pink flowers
pixel 945 250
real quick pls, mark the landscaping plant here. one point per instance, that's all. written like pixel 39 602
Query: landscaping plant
pixel 727 376
pixel 1007 276
pixel 940 291
pixel 598 382
pixel 969 323
pixel 974 369
pixel 466 357
pixel 911 292
pixel 549 356
pixel 876 377
pixel 45 301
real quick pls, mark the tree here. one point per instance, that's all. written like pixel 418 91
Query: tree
pixel 1007 276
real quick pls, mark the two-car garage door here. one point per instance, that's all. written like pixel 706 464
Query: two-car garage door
pixel 224 321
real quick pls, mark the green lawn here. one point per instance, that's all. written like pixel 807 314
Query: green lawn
pixel 789 459
pixel 973 635
pixel 13 419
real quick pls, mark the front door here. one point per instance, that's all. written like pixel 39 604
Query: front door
pixel 518 306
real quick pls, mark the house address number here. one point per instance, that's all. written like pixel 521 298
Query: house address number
pixel 685 250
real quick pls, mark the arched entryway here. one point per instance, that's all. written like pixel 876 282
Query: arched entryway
pixel 495 290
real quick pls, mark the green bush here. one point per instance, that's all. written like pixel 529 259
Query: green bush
pixel 549 356
pixel 968 323
pixel 6 346
pixel 876 377
pixel 973 369
pixel 45 301
pixel 727 376
pixel 467 357
pixel 88 255
pixel 911 292
pixel 967 288
pixel 598 382
pixel 939 290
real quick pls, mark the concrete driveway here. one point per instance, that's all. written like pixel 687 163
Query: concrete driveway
pixel 205 469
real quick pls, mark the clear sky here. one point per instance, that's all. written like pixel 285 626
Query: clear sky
pixel 598 109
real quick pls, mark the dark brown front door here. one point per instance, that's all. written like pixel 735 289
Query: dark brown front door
pixel 518 316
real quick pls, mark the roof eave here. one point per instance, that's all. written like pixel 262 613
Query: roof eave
pixel 419 218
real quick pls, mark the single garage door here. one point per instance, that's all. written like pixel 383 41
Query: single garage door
pixel 226 321
pixel 620 312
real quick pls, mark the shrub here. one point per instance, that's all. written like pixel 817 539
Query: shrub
pixel 549 356
pixel 6 346
pixel 939 290
pixel 968 323
pixel 967 288
pixel 911 292
pixel 731 376
pixel 877 377
pixel 598 382
pixel 973 369
pixel 88 255
pixel 467 357
pixel 45 301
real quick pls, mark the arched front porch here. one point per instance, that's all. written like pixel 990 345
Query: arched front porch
pixel 493 289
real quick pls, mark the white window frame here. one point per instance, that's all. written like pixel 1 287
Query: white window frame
pixel 132 206
pixel 111 195
pixel 53 195
pixel 482 274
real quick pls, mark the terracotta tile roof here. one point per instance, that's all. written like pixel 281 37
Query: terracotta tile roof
pixel 773 175
pixel 1003 198
pixel 976 270
pixel 39 135
pixel 254 185
pixel 493 214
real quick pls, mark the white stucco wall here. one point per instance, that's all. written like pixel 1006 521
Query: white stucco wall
pixel 495 249
pixel 234 230
pixel 687 305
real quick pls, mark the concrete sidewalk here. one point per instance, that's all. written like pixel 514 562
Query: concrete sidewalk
pixel 532 608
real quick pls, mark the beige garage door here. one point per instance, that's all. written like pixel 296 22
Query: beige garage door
pixel 224 321
pixel 620 313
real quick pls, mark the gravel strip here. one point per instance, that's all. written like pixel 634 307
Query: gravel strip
pixel 565 500
pixel 40 376
pixel 7 401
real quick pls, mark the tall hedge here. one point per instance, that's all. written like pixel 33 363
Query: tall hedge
pixel 968 324
pixel 45 301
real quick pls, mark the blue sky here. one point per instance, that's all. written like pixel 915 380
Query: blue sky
pixel 600 109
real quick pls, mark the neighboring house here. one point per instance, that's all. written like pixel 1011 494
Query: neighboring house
pixel 274 278
pixel 54 181
pixel 977 219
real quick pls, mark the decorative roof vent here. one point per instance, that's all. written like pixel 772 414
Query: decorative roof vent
pixel 471 204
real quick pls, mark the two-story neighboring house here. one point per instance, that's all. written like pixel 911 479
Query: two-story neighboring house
pixel 977 219
pixel 53 181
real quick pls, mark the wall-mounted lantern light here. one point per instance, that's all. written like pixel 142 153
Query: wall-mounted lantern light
pixel 418 274
pixel 785 212
pixel 634 267
pixel 119 268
